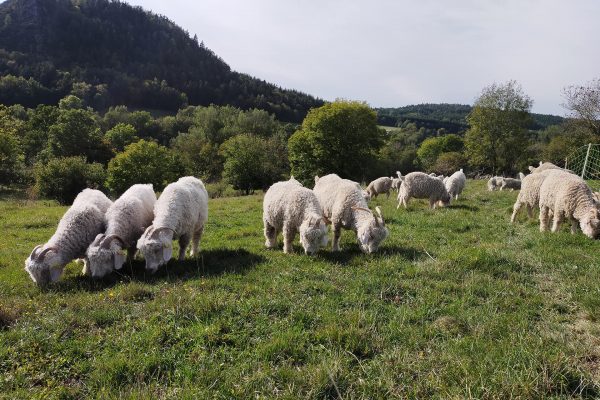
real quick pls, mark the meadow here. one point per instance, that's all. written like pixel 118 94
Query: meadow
pixel 458 303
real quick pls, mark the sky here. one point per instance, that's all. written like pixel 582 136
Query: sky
pixel 392 53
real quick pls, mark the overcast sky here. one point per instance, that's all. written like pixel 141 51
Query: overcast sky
pixel 392 53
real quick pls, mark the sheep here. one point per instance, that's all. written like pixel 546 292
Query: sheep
pixel 510 183
pixel 567 196
pixel 422 186
pixel 529 195
pixel 76 230
pixel 455 183
pixel 379 186
pixel 126 219
pixel 366 195
pixel 344 206
pixel 494 183
pixel 291 208
pixel 396 182
pixel 544 166
pixel 180 212
pixel 521 176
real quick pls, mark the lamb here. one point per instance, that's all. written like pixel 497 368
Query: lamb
pixel 379 186
pixel 343 204
pixel 529 195
pixel 291 208
pixel 494 183
pixel 455 183
pixel 180 213
pixel 567 196
pixel 76 230
pixel 422 186
pixel 126 219
pixel 510 183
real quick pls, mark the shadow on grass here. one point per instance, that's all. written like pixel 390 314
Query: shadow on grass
pixel 209 263
pixel 463 207
pixel 349 252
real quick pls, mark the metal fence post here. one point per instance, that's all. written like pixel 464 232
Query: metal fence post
pixel 585 163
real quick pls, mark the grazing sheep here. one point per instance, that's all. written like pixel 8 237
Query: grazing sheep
pixel 396 182
pixel 343 204
pixel 366 195
pixel 76 230
pixel 179 213
pixel 379 186
pixel 455 183
pixel 494 183
pixel 529 195
pixel 567 196
pixel 126 219
pixel 510 183
pixel 544 166
pixel 291 208
pixel 422 186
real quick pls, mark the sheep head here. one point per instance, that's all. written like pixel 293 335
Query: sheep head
pixel 105 254
pixel 371 232
pixel 590 223
pixel 156 245
pixel 313 234
pixel 44 266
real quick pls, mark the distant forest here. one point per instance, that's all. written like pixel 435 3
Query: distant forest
pixel 109 53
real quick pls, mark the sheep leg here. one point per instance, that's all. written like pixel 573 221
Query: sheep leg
pixel 530 211
pixel 516 209
pixel 131 252
pixel 543 219
pixel 432 203
pixel 557 221
pixel 184 241
pixel 337 232
pixel 196 241
pixel 288 237
pixel 270 235
pixel 574 226
pixel 86 269
pixel 387 194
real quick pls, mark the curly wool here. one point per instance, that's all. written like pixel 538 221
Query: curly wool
pixel 567 196
pixel 290 207
pixel 182 208
pixel 510 183
pixel 127 218
pixel 419 185
pixel 494 183
pixel 379 186
pixel 78 227
pixel 455 183
pixel 529 196
pixel 343 204
pixel 544 166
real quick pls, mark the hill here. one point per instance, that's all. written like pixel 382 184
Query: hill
pixel 112 53
pixel 451 117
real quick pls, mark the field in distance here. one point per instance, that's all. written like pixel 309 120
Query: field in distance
pixel 457 303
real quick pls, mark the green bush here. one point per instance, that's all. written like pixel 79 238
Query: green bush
pixel 63 178
pixel 143 162
pixel 448 163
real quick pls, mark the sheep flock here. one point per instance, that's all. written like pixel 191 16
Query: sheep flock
pixel 106 234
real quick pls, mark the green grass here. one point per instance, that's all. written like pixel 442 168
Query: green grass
pixel 458 303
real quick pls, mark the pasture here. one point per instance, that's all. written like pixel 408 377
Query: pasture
pixel 457 303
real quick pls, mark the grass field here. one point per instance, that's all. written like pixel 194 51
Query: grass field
pixel 457 304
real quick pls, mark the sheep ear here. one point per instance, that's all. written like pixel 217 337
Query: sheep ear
pixel 380 215
pixel 316 178
pixel 167 251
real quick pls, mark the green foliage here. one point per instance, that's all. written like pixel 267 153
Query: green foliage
pixel 37 126
pixel 431 148
pixel 569 138
pixel 340 137
pixel 11 154
pixel 76 133
pixel 200 157
pixel 120 136
pixel 252 162
pixel 63 178
pixel 143 162
pixel 71 102
pixel 449 162
pixel 498 135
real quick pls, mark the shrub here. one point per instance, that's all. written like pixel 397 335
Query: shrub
pixel 449 163
pixel 63 178
pixel 120 136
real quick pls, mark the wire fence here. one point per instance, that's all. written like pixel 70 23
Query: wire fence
pixel 585 162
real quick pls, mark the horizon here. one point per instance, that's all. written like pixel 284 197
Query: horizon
pixel 290 45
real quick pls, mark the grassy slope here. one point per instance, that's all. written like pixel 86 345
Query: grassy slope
pixel 457 304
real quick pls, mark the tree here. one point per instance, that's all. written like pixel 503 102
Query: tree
pixel 431 148
pixel 10 145
pixel 143 162
pixel 449 162
pixel 37 126
pixel 340 137
pixel 498 135
pixel 120 136
pixel 71 102
pixel 584 104
pixel 63 178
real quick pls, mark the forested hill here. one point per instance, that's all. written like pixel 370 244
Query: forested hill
pixel 111 53
pixel 451 117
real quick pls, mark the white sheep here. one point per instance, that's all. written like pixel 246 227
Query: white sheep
pixel 397 182
pixel 76 230
pixel 379 186
pixel 343 204
pixel 544 166
pixel 366 195
pixel 455 183
pixel 510 183
pixel 422 186
pixel 494 183
pixel 567 196
pixel 529 195
pixel 126 219
pixel 179 213
pixel 291 208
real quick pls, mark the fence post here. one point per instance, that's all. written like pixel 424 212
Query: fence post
pixel 585 163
